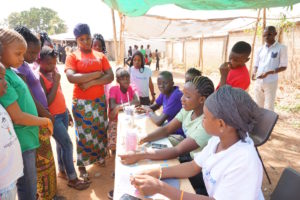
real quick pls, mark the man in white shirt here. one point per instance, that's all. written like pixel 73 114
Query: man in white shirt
pixel 270 60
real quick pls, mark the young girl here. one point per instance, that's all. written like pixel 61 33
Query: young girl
pixel 11 165
pixel 229 163
pixel 50 80
pixel 89 71
pixel 118 96
pixel 21 108
pixel 99 43
pixel 141 78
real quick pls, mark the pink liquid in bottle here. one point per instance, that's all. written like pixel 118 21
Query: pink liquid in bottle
pixel 131 140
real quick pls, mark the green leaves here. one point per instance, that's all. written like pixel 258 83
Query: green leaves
pixel 38 19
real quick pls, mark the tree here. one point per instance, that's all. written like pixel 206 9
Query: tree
pixel 38 19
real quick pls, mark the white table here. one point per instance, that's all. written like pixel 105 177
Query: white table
pixel 123 172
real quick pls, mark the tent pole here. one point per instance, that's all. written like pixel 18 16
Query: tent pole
pixel 199 58
pixel 264 24
pixel 183 55
pixel 201 53
pixel 121 43
pixel 115 33
pixel 253 42
pixel 225 47
pixel 172 54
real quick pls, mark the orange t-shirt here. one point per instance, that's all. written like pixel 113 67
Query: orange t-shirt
pixel 58 106
pixel 87 63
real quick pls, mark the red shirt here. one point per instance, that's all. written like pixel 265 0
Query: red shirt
pixel 238 78
pixel 87 63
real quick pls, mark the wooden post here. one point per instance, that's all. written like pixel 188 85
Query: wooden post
pixel 253 42
pixel 264 24
pixel 121 42
pixel 183 55
pixel 201 53
pixel 225 47
pixel 115 34
pixel 172 61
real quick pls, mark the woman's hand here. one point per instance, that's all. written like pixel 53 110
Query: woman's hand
pixel 152 99
pixel 130 158
pixel 48 126
pixel 146 185
pixel 155 173
pixel 71 122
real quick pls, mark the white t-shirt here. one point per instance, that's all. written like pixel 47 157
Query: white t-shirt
pixel 235 173
pixel 11 163
pixel 140 80
pixel 271 58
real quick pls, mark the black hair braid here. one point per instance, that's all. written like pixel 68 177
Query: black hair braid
pixel 27 34
pixel 204 85
pixel 44 37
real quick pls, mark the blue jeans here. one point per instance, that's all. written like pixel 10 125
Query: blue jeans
pixel 27 184
pixel 64 146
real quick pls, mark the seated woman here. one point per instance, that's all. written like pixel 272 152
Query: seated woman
pixel 189 118
pixel 169 99
pixel 229 163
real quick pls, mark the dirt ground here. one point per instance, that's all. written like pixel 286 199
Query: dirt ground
pixel 280 151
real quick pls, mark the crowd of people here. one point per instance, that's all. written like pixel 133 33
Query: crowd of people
pixel 208 127
pixel 148 55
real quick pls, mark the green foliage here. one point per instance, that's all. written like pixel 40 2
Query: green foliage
pixel 38 19
pixel 282 24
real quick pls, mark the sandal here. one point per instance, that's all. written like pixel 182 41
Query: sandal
pixel 78 185
pixel 84 175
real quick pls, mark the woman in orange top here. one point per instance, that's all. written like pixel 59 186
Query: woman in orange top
pixel 89 71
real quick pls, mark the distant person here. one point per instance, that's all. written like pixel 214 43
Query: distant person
pixel 129 53
pixel 149 55
pixel 191 73
pixel 143 51
pixel 235 72
pixel 157 60
pixel 135 49
pixel 140 77
pixel 271 59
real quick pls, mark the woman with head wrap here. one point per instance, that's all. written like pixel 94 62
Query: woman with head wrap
pixel 89 71
pixel 229 163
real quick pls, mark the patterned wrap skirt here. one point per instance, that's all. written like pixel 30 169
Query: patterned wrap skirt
pixel 46 173
pixel 112 134
pixel 90 118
